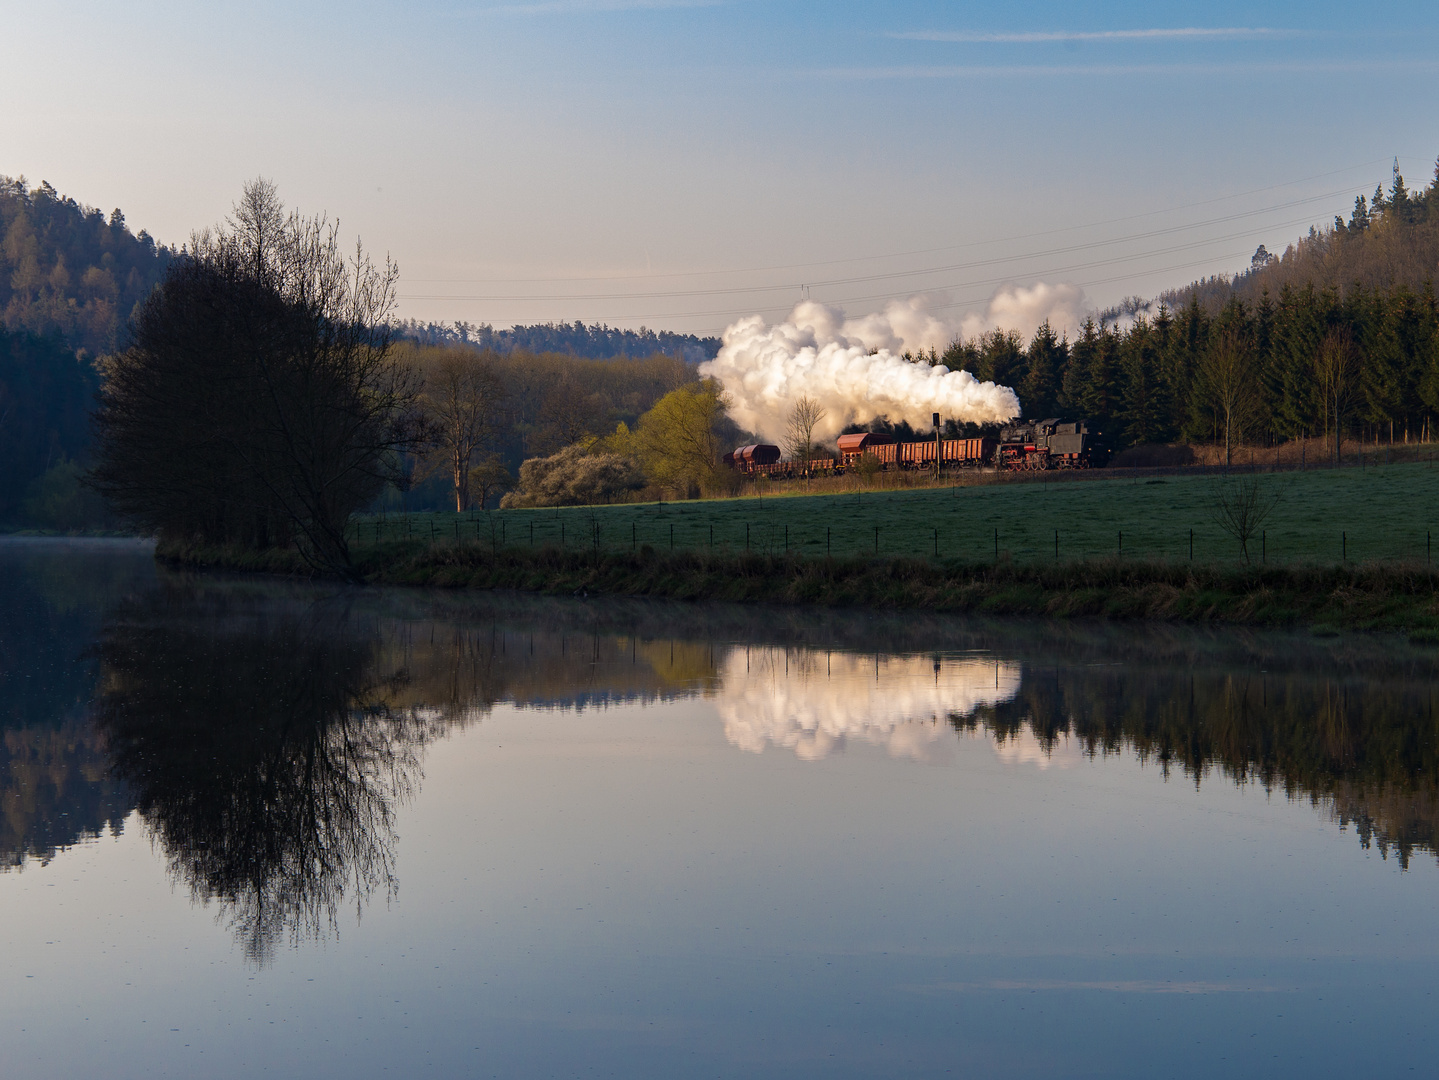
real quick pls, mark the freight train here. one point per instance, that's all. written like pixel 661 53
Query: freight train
pixel 1037 444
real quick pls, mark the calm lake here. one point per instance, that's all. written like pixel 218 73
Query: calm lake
pixel 268 828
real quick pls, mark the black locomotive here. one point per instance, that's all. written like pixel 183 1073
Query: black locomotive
pixel 1050 444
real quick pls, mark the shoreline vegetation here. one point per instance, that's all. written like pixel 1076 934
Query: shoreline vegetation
pixel 1391 596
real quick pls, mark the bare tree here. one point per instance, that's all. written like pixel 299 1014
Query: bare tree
pixel 1240 506
pixel 570 413
pixel 1228 384
pixel 461 397
pixel 490 477
pixel 260 402
pixel 804 417
pixel 1336 367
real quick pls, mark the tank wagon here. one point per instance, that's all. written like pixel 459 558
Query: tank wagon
pixel 752 457
pixel 763 459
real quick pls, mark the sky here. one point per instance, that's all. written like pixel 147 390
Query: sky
pixel 679 164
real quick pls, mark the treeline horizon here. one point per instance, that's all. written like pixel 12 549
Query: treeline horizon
pixel 596 341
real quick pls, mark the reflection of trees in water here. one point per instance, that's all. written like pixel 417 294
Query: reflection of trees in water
pixel 264 755
pixel 1347 724
pixel 1366 749
pixel 55 791
pixel 55 785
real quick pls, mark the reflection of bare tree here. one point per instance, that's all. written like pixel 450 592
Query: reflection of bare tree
pixel 263 756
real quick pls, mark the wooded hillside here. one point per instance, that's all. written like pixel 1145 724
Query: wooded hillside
pixel 1391 239
pixel 70 269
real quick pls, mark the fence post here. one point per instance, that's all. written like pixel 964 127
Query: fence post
pixel 634 537
pixel 876 539
pixel 672 535
pixel 996 543
pixel 1056 545
pixel 746 537
pixel 936 540
pixel 1263 545
pixel 1191 545
pixel 1343 547
pixel 1121 545
pixel 828 546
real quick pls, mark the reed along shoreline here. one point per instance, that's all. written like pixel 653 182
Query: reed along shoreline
pixel 1379 596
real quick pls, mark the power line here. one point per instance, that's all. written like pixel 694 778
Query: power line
pixel 893 275
pixel 907 254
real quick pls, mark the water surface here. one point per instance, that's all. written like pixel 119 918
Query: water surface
pixel 253 827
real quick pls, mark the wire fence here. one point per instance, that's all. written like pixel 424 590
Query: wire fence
pixel 606 531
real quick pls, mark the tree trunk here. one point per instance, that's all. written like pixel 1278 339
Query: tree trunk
pixel 462 481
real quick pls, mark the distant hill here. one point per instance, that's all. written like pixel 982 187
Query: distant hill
pixel 1391 240
pixel 596 342
pixel 70 269
pixel 70 276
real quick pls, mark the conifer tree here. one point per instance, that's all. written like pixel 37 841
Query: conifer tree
pixel 1039 389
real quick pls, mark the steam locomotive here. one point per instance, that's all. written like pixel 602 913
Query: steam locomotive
pixel 1050 444
pixel 1036 444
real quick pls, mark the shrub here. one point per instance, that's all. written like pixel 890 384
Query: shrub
pixel 574 477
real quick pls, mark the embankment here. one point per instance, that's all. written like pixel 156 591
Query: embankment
pixel 1375 596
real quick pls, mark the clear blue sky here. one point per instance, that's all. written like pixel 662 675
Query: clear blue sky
pixel 664 156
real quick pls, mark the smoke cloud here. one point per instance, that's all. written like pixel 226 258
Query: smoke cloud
pixel 851 367
pixel 1024 308
pixel 854 367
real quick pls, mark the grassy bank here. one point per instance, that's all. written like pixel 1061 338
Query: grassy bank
pixel 1324 515
pixel 1374 596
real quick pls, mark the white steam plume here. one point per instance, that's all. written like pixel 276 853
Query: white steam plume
pixel 851 367
pixel 1024 308
pixel 854 368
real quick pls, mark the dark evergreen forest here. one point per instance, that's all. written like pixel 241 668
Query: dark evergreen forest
pixel 1341 330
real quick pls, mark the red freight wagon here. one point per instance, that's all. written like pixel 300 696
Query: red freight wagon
pixel 953 453
pixel 877 444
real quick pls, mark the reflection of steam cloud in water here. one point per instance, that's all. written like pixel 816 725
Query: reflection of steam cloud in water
pixel 810 702
pixel 264 758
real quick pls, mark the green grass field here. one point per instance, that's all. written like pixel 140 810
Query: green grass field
pixel 1378 513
